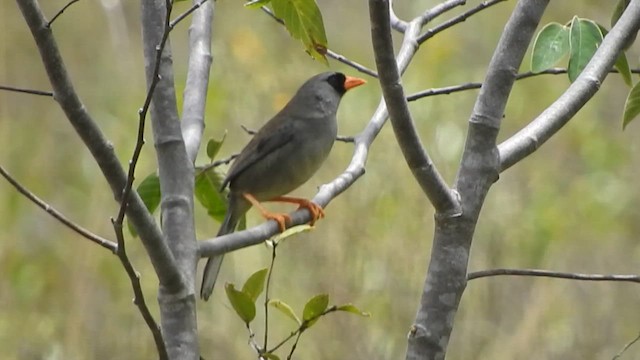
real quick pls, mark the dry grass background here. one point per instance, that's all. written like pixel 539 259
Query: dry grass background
pixel 572 206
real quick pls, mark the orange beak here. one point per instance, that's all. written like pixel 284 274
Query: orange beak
pixel 351 82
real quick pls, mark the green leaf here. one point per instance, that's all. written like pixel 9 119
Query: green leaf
pixel 551 44
pixel 622 65
pixel 254 285
pixel 631 106
pixel 618 10
pixel 304 21
pixel 149 191
pixel 585 37
pixel 352 309
pixel 241 303
pixel 285 309
pixel 271 356
pixel 207 186
pixel 290 232
pixel 314 308
pixel 256 4
pixel 213 146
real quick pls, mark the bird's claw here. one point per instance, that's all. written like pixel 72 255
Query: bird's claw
pixel 280 218
pixel 317 212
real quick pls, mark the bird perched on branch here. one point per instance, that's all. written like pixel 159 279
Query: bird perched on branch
pixel 281 156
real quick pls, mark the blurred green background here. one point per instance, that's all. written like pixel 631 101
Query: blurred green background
pixel 572 206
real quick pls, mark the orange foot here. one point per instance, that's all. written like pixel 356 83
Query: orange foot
pixel 317 212
pixel 280 218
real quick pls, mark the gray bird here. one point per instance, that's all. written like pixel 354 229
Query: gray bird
pixel 281 156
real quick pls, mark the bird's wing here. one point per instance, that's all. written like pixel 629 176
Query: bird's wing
pixel 265 142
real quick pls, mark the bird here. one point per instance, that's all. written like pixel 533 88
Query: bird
pixel 282 156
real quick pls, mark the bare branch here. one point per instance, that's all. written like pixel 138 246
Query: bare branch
pixel 626 347
pixel 552 274
pixel 196 5
pixel 397 24
pixel 26 91
pixel 138 295
pixel 61 11
pixel 438 10
pixel 195 91
pixel 478 171
pixel 107 244
pixel 100 148
pixel 456 20
pixel 477 85
pixel 530 138
pixel 423 169
pixel 176 173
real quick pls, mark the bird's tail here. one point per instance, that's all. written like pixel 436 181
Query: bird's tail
pixel 211 270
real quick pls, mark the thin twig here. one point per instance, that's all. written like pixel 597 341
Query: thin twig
pixel 107 244
pixel 61 11
pixel 117 223
pixel 266 295
pixel 302 328
pixel 626 347
pixel 26 91
pixel 342 138
pixel 456 20
pixel 181 17
pixel 439 9
pixel 332 54
pixel 138 295
pixel 477 85
pixel 294 346
pixel 552 274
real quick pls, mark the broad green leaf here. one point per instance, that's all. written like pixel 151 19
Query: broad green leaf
pixel 622 65
pixel 618 10
pixel 149 191
pixel 207 191
pixel 304 21
pixel 254 285
pixel 290 232
pixel 631 106
pixel 271 356
pixel 285 309
pixel 551 44
pixel 213 146
pixel 241 303
pixel 352 309
pixel 314 308
pixel 256 4
pixel 585 37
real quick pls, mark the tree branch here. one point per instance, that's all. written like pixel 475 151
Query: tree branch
pixel 107 244
pixel 552 274
pixel 61 11
pixel 195 91
pixel 456 20
pixel 100 148
pixel 26 91
pixel 530 138
pixel 176 173
pixel 138 295
pixel 429 336
pixel 423 169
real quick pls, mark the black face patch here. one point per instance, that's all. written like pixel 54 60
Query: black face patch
pixel 336 80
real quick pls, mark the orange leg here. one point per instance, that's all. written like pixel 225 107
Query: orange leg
pixel 317 212
pixel 281 219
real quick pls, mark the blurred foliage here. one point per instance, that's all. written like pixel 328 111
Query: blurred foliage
pixel 571 206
